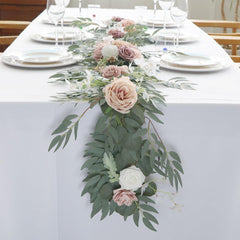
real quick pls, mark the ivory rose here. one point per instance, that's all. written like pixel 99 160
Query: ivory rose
pixel 124 197
pixel 109 51
pixel 114 71
pixel 121 94
pixel 131 178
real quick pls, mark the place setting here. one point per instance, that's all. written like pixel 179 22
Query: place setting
pixel 65 36
pixel 169 36
pixel 189 62
pixel 52 57
pixel 39 58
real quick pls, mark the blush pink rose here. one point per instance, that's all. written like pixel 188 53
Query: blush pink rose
pixel 127 53
pixel 116 33
pixel 114 71
pixel 121 94
pixel 124 197
pixel 127 23
pixel 124 69
pixel 97 55
pixel 120 43
pixel 111 71
pixel 138 53
pixel 117 19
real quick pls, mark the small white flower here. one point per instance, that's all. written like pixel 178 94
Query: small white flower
pixel 148 66
pixel 109 51
pixel 108 39
pixel 131 178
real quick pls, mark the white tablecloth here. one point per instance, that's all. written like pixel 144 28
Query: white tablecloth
pixel 40 191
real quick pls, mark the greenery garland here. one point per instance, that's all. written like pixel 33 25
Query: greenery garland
pixel 126 147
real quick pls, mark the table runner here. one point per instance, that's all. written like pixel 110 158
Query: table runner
pixel 40 192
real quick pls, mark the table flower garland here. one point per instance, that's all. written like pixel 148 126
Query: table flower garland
pixel 126 147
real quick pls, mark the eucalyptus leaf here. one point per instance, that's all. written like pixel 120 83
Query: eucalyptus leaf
pixel 150 217
pixel 148 224
pixel 148 208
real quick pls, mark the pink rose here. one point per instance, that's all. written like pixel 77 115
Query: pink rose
pixel 127 53
pixel 97 55
pixel 116 33
pixel 138 53
pixel 122 196
pixel 117 19
pixel 114 71
pixel 121 94
pixel 124 69
pixel 120 43
pixel 127 23
pixel 111 71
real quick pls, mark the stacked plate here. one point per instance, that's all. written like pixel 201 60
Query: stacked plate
pixel 67 37
pixel 192 62
pixel 170 36
pixel 158 23
pixel 67 21
pixel 39 58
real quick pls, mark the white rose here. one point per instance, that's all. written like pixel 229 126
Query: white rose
pixel 131 178
pixel 109 51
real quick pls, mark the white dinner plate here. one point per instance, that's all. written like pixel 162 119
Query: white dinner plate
pixel 158 23
pixel 189 60
pixel 170 36
pixel 222 64
pixel 69 37
pixel 42 56
pixel 38 58
pixel 67 21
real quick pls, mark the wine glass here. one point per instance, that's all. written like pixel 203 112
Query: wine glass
pixel 155 8
pixel 55 10
pixel 80 6
pixel 66 3
pixel 165 5
pixel 179 12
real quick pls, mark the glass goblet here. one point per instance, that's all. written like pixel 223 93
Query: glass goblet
pixel 55 11
pixel 179 12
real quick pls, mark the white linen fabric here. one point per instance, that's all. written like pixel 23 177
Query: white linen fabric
pixel 40 192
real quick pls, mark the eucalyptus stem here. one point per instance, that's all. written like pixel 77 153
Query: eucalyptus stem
pixel 138 207
pixel 155 130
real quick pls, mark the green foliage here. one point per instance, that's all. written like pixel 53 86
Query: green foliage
pixel 136 34
pixel 110 164
pixel 119 140
pixel 84 22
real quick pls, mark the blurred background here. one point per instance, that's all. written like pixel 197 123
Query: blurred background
pixel 198 9
pixel 27 10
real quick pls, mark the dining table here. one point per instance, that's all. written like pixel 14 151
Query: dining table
pixel 40 191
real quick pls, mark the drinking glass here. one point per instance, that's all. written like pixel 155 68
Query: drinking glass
pixel 80 6
pixel 179 12
pixel 66 3
pixel 165 5
pixel 155 8
pixel 55 10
